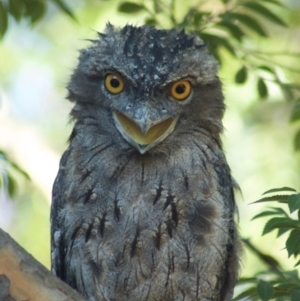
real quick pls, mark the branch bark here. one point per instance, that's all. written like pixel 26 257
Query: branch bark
pixel 24 278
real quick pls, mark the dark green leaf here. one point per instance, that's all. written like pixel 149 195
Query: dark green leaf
pixel 295 296
pixel 3 19
pixel 265 290
pixel 281 231
pixel 235 30
pixel 64 8
pixel 35 9
pixel 249 22
pixel 11 185
pixel 280 222
pixel 293 242
pixel 241 75
pixel 264 12
pixel 215 42
pixel 295 113
pixel 262 88
pixel 150 22
pixel 266 68
pixel 248 294
pixel 282 198
pixel 292 274
pixel 264 213
pixel 20 170
pixel 280 189
pixel 16 8
pixel 297 141
pixel 294 202
pixel 198 18
pixel 225 1
pixel 130 7
pixel 298 263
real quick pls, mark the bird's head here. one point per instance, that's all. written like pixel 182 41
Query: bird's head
pixel 140 84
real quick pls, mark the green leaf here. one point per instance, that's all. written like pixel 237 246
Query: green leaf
pixel 281 231
pixel 275 2
pixel 295 296
pixel 248 294
pixel 298 263
pixel 280 222
pixel 293 242
pixel 16 8
pixel 150 21
pixel 130 7
pixel 292 274
pixel 297 141
pixel 235 30
pixel 249 22
pixel 35 9
pixel 266 68
pixel 3 19
pixel 265 290
pixel 281 198
pixel 215 42
pixel 294 202
pixel 20 170
pixel 262 88
pixel 295 113
pixel 11 185
pixel 241 75
pixel 64 8
pixel 264 12
pixel 198 18
pixel 279 190
pixel 264 213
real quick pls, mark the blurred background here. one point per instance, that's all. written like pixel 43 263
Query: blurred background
pixel 35 65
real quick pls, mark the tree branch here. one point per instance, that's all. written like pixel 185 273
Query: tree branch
pixel 24 278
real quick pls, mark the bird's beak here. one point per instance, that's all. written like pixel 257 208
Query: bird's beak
pixel 143 134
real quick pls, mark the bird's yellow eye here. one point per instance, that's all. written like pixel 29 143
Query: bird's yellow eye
pixel 114 83
pixel 181 89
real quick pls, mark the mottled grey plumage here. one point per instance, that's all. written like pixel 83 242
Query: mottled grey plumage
pixel 145 222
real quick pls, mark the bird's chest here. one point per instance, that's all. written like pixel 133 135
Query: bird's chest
pixel 146 225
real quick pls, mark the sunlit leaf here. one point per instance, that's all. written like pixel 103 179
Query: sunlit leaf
pixel 277 3
pixel 3 19
pixel 298 263
pixel 293 242
pixel 241 75
pixel 280 222
pixel 279 190
pixel 263 11
pixel 294 202
pixel 130 7
pixel 265 290
pixel 262 88
pixel 249 22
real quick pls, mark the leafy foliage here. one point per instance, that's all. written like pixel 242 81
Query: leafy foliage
pixel 7 180
pixel 33 10
pixel 276 283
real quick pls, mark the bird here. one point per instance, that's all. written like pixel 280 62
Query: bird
pixel 143 205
